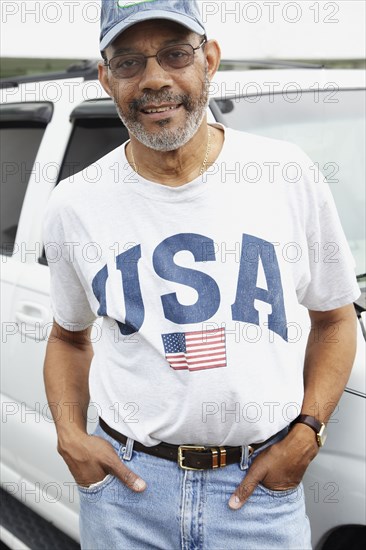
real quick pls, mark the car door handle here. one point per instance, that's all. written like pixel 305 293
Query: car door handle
pixel 32 318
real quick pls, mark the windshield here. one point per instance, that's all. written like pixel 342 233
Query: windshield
pixel 330 127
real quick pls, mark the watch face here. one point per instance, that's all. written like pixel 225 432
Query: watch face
pixel 321 436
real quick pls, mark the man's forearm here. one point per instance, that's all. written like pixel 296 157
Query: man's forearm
pixel 328 360
pixel 329 357
pixel 66 372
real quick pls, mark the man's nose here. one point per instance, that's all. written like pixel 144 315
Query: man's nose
pixel 154 76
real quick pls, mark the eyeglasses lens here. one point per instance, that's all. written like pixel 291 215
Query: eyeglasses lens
pixel 176 58
pixel 173 57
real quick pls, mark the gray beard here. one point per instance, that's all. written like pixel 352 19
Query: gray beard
pixel 166 139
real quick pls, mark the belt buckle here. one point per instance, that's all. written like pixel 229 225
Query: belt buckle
pixel 181 456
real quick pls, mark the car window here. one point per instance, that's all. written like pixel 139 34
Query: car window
pixel 21 130
pixel 330 127
pixel 97 130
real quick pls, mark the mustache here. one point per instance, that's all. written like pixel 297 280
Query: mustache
pixel 162 97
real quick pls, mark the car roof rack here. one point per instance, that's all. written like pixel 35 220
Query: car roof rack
pixel 268 63
pixel 87 69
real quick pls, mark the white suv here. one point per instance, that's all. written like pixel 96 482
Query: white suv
pixel 55 126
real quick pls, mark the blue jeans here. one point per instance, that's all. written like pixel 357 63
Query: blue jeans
pixel 188 510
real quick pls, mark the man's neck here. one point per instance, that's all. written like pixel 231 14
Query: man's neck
pixel 175 168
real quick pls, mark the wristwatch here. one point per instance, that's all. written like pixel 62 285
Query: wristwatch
pixel 312 422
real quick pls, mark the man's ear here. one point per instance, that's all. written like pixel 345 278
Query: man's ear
pixel 213 57
pixel 103 77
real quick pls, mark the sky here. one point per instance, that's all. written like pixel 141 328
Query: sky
pixel 244 29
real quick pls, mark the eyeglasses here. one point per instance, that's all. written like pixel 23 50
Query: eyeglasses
pixel 174 57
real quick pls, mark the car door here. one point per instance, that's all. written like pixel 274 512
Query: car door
pixel 33 139
pixel 45 143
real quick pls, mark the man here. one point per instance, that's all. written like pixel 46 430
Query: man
pixel 172 464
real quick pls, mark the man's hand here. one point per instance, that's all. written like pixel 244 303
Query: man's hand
pixel 279 467
pixel 328 363
pixel 90 459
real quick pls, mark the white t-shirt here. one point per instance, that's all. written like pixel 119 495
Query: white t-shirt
pixel 198 287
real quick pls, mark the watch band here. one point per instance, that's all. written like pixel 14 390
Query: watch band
pixel 310 421
pixel 316 425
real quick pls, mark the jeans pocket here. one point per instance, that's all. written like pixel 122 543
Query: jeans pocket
pixel 279 493
pixel 109 478
pixel 98 486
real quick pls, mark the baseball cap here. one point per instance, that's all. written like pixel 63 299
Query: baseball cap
pixel 119 15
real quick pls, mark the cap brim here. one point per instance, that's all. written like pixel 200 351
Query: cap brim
pixel 183 20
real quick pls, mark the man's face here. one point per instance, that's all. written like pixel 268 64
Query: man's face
pixel 179 96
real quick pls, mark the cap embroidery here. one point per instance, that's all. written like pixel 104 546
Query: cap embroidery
pixel 126 4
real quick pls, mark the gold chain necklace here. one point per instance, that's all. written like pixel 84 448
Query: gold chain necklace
pixel 204 164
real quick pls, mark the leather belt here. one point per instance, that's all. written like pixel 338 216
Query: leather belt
pixel 189 457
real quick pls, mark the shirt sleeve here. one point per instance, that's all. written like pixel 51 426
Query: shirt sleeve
pixel 69 302
pixel 332 282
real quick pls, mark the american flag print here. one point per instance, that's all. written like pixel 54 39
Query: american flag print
pixel 203 349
